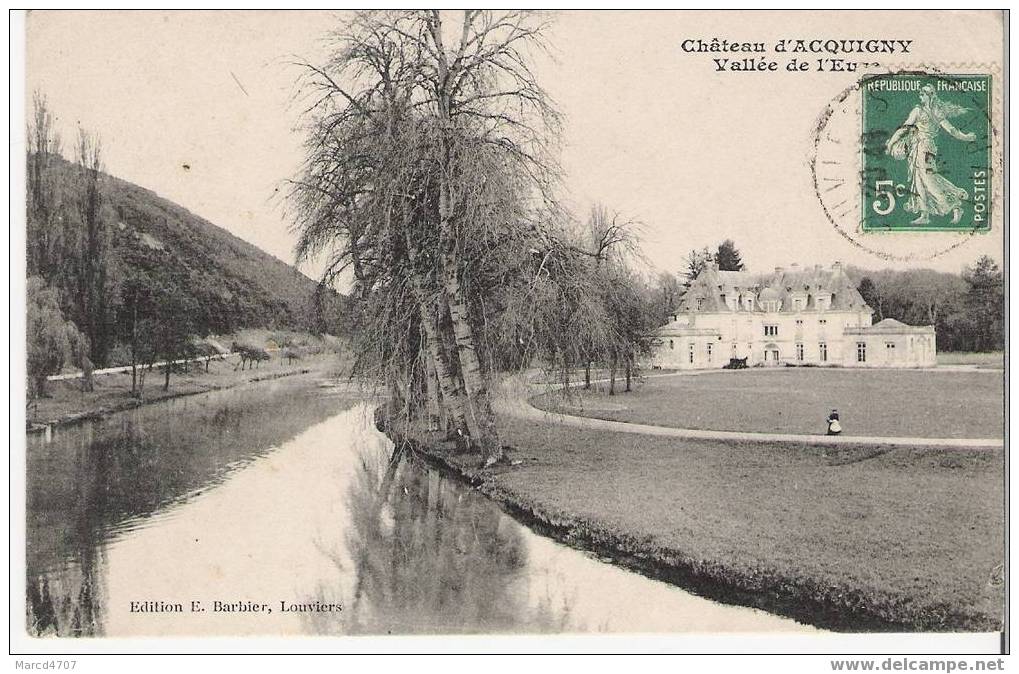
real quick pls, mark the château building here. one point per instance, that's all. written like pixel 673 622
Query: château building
pixel 798 316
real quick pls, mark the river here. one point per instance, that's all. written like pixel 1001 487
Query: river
pixel 282 497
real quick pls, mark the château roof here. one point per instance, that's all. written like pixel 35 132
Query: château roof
pixel 713 290
pixel 890 326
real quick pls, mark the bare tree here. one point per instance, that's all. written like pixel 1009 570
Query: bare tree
pixel 44 231
pixel 93 286
pixel 423 155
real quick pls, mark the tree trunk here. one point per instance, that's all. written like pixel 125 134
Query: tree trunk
pixel 87 383
pixel 480 418
pixel 166 381
pixel 432 392
pixel 453 399
pixel 612 376
pixel 629 372
pixel 40 386
pixel 452 392
pixel 587 376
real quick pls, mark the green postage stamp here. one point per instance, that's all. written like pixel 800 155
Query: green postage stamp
pixel 926 152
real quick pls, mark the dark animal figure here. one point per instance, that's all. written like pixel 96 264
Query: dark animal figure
pixel 251 356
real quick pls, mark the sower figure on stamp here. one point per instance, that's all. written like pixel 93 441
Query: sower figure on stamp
pixel 914 141
pixel 834 427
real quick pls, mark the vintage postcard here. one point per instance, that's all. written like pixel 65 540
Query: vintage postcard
pixel 505 322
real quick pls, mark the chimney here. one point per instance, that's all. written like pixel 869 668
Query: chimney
pixel 837 266
pixel 779 270
pixel 795 266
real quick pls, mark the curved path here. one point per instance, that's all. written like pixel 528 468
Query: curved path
pixel 516 395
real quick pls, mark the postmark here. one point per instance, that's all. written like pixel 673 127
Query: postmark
pixel 906 163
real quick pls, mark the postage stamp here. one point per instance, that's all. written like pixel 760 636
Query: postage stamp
pixel 926 152
pixel 907 163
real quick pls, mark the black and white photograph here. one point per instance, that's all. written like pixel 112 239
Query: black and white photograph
pixel 584 327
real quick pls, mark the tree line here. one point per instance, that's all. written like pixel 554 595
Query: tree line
pixel 431 177
pixel 966 310
pixel 120 276
pixel 73 273
pixel 84 299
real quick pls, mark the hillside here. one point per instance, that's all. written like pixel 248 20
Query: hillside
pixel 236 284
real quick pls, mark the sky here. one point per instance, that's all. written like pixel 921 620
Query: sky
pixel 200 108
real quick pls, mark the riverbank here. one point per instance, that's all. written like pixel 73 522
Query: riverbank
pixel 68 404
pixel 841 539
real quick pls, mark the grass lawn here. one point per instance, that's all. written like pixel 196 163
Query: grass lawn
pixel 924 403
pixel 910 536
pixel 540 376
pixel 989 360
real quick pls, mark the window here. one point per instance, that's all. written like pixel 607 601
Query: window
pixel 770 330
pixel 772 305
pixel 709 345
pixel 690 350
pixel 823 322
pixel 700 303
pixel 823 350
pixel 890 345
pixel 734 349
pixel 672 344
pixel 797 304
pixel 799 352
pixel 750 304
pixel 861 352
pixel 799 322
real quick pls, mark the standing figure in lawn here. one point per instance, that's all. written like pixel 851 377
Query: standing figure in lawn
pixel 914 141
pixel 834 427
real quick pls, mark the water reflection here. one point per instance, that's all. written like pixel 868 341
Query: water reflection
pixel 429 555
pixel 91 484
pixel 286 495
